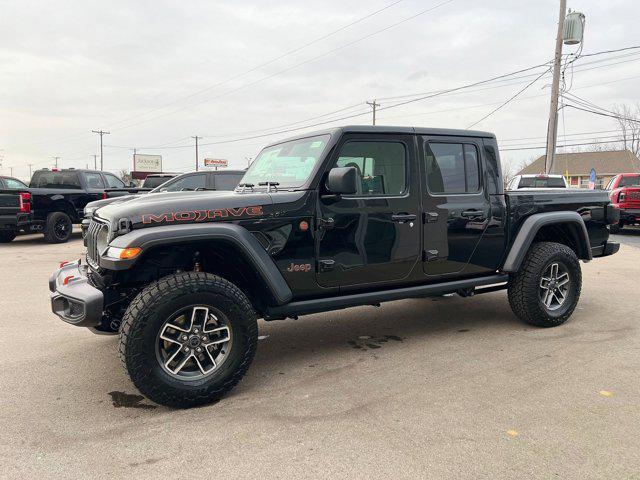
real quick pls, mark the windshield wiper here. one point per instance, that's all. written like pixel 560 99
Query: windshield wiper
pixel 245 185
pixel 269 185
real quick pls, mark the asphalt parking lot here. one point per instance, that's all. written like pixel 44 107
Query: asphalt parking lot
pixel 430 388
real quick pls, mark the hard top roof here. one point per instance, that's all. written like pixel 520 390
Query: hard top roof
pixel 444 132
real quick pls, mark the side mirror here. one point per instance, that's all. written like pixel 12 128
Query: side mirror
pixel 342 181
pixel 132 184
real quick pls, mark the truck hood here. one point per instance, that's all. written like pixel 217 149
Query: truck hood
pixel 171 208
pixel 108 201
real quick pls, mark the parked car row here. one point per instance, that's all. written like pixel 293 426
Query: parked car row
pixel 55 200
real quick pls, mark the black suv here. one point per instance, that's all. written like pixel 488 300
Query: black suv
pixel 340 218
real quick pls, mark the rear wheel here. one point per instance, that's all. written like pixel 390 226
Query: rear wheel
pixel 6 237
pixel 58 228
pixel 546 289
pixel 188 339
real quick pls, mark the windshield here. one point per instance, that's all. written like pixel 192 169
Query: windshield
pixel 289 163
pixel 541 182
pixel 630 181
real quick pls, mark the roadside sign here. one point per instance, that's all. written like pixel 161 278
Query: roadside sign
pixel 147 163
pixel 592 179
pixel 215 162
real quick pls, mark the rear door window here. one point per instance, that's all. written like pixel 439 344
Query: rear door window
pixel 113 181
pixel 452 168
pixel 93 180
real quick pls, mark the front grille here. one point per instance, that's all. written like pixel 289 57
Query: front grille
pixel 93 232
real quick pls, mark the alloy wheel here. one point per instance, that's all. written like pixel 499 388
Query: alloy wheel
pixel 194 342
pixel 554 286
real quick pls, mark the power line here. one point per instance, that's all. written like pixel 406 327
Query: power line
pixel 322 55
pixel 268 62
pixel 513 97
pixel 618 117
pixel 542 147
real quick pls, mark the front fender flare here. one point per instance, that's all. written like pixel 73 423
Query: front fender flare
pixel 532 225
pixel 240 237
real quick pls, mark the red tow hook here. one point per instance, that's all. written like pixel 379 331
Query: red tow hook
pixel 68 279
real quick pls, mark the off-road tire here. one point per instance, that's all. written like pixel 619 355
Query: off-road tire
pixel 153 306
pixel 524 286
pixel 51 234
pixel 7 237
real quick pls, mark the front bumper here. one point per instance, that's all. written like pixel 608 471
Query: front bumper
pixel 73 298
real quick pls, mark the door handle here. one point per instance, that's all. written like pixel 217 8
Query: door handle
pixel 403 217
pixel 474 214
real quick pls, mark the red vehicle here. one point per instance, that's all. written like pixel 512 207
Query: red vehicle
pixel 624 192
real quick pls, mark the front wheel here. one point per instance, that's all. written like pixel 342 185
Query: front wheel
pixel 546 289
pixel 188 339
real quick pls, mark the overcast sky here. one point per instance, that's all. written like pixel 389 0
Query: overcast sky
pixel 155 73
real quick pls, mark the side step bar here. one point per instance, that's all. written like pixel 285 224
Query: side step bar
pixel 306 307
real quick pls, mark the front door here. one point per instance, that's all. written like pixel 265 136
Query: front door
pixel 456 203
pixel 373 235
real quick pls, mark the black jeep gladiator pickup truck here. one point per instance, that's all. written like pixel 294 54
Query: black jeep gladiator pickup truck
pixel 341 218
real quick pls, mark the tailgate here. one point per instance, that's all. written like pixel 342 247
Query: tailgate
pixel 9 208
pixel 631 197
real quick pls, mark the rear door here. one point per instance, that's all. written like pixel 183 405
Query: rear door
pixel 456 204
pixel 373 235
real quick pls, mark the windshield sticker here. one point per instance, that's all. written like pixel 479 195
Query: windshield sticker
pixel 202 215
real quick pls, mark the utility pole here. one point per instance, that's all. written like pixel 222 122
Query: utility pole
pixel 11 171
pixel 196 138
pixel 101 133
pixel 56 160
pixel 95 162
pixel 373 105
pixel 552 128
pixel 30 165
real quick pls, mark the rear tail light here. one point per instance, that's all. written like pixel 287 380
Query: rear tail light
pixel 104 195
pixel 25 202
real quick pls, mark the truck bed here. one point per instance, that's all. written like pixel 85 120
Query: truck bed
pixel 593 205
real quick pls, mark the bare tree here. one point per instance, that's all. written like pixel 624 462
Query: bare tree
pixel 125 176
pixel 629 123
pixel 510 168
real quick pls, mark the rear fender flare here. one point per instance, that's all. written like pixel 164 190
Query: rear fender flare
pixel 238 236
pixel 532 225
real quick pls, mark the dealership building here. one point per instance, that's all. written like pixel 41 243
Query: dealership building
pixel 577 166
